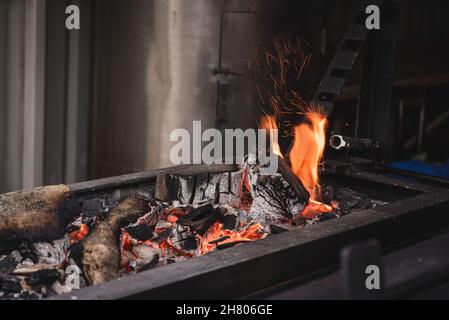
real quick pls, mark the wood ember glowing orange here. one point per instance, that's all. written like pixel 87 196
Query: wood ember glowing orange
pixel 78 235
pixel 252 232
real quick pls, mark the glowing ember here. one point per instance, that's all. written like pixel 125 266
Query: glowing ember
pixel 315 208
pixel 78 235
pixel 207 242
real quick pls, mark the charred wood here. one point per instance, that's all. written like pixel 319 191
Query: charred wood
pixel 100 257
pixel 141 232
pixel 44 276
pixel 37 214
pixel 277 198
pixel 219 184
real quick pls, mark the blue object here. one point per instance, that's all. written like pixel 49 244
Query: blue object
pixel 419 166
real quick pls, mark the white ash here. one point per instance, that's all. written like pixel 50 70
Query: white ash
pixel 60 288
pixel 163 224
pixel 16 256
pixel 51 253
pixel 274 201
pixel 179 235
pixel 145 254
pixel 185 188
pixel 154 215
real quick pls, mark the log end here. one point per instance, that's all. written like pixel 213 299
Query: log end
pixel 100 257
pixel 36 214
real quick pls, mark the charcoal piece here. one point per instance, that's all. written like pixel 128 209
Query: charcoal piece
pixel 141 232
pixel 10 284
pixel 229 245
pixel 75 252
pixel 299 221
pixel 44 276
pixel 7 264
pixel 69 208
pixel 208 222
pixel 6 247
pixel 156 211
pixel 198 213
pixel 346 195
pixel 170 261
pixel 26 295
pixel 163 236
pixel 349 200
pixel 201 219
pixel 216 241
pixel 27 252
pixel 327 216
pixel 145 254
pixel 94 208
pixel 349 206
pixel 276 229
pixel 327 194
pixel 150 265
pixel 189 244
pixel 35 214
pixel 100 258
pixel 183 238
pixel 229 221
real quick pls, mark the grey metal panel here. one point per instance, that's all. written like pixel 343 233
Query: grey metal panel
pixel 154 76
pixel 12 164
pixel 33 93
pixel 55 96
pixel 78 96
pixel 239 101
pixel 2 92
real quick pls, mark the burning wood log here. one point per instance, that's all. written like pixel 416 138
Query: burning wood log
pixel 276 198
pixel 101 255
pixel 36 214
pixel 273 199
pixel 219 184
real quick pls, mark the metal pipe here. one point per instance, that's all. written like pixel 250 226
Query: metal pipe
pixel 337 142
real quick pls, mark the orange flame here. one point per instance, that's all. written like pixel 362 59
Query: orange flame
pixel 269 123
pixel 78 235
pixel 253 232
pixel 307 151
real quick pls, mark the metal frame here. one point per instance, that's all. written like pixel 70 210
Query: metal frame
pixel 410 272
pixel 374 104
pixel 245 269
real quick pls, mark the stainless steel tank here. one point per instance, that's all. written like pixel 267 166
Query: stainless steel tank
pixel 162 64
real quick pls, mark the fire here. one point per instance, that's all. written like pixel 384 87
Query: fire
pixel 307 151
pixel 306 155
pixel 269 123
pixel 78 235
pixel 216 232
pixel 315 208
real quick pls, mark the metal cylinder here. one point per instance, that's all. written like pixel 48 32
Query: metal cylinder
pixel 338 142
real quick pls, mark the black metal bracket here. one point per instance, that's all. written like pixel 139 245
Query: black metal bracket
pixel 344 58
pixel 374 104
